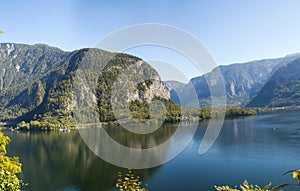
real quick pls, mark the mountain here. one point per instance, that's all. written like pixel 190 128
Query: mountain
pixel 37 83
pixel 242 82
pixel 26 72
pixel 283 88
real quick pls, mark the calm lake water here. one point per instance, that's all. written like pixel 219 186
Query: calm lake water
pixel 258 148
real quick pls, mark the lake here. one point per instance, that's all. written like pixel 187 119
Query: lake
pixel 257 148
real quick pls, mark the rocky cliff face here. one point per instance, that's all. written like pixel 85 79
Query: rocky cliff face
pixel 156 89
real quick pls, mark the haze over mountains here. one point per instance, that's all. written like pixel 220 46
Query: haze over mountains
pixel 253 84
pixel 282 89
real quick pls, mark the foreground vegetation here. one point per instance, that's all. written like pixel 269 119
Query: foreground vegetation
pixel 249 187
pixel 10 167
pixel 132 182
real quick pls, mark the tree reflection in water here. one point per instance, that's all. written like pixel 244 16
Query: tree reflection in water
pixel 62 161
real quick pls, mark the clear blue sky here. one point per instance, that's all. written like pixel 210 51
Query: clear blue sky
pixel 232 30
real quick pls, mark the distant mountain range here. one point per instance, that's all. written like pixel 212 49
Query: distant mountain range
pixel 253 84
pixel 282 89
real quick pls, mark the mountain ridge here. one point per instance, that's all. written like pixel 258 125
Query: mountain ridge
pixel 242 81
pixel 283 88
